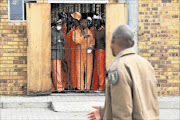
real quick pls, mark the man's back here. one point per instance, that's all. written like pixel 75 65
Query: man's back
pixel 143 84
pixel 131 92
pixel 131 88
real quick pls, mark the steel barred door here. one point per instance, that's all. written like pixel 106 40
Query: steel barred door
pixel 84 52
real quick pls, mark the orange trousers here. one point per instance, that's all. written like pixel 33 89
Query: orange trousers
pixel 99 73
pixel 57 75
pixel 69 69
pixel 70 81
pixel 73 81
pixel 84 67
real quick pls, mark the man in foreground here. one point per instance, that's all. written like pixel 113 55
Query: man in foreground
pixel 131 85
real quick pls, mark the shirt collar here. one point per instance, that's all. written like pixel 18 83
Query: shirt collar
pixel 121 54
pixel 125 52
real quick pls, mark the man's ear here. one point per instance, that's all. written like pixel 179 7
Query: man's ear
pixel 132 43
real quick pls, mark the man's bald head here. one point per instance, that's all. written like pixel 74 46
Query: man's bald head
pixel 123 30
pixel 124 34
pixel 122 38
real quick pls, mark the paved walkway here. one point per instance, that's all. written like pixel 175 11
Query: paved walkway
pixel 48 114
pixel 39 114
pixel 40 107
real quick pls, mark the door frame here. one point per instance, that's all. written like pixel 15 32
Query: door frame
pixel 38 55
pixel 79 1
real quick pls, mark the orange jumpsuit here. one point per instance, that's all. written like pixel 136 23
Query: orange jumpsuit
pixel 70 74
pixel 99 73
pixel 56 74
pixel 84 60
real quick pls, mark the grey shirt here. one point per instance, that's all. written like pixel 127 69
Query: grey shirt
pixel 57 46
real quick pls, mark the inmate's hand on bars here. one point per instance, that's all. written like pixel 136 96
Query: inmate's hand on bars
pixel 86 35
pixel 130 84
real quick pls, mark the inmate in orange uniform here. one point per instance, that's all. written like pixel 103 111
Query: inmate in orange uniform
pixel 70 61
pixel 82 58
pixel 99 65
pixel 70 54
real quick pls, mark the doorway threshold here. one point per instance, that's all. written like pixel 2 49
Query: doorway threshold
pixel 77 94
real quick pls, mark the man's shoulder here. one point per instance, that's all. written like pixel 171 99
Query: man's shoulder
pixel 117 64
pixel 141 59
pixel 134 60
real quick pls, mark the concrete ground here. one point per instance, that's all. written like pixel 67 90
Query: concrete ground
pixel 69 106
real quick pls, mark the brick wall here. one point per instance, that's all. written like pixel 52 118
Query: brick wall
pixel 13 52
pixel 159 41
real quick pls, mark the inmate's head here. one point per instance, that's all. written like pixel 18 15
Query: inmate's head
pixel 63 17
pixel 83 23
pixel 89 21
pixel 59 24
pixel 103 20
pixel 97 21
pixel 75 18
pixel 122 38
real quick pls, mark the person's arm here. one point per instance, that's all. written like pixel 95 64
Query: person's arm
pixel 121 98
pixel 102 32
pixel 77 38
pixel 105 110
pixel 90 40
pixel 64 39
pixel 53 38
pixel 101 111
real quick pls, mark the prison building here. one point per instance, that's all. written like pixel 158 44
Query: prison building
pixel 25 40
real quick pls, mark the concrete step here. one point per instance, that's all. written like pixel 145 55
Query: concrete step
pixel 74 106
pixel 6 105
pixel 76 102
